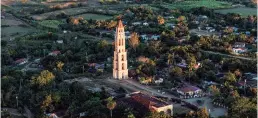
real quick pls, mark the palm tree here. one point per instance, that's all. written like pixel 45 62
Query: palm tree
pixel 170 58
pixel 111 104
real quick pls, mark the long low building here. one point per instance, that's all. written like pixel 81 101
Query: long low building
pixel 152 103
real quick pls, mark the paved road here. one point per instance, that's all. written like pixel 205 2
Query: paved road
pixel 135 86
pixel 232 56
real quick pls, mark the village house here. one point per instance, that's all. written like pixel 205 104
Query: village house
pixel 189 91
pixel 183 64
pixel 147 37
pixel 96 66
pixel 201 18
pixel 146 24
pixel 152 103
pixel 136 23
pixel 58 114
pixel 170 25
pixel 128 1
pixel 247 83
pixel 54 53
pixel 158 81
pixel 143 59
pixel 21 61
pixel 239 50
pixel 169 17
pixel 239 45
pixel 144 37
pixel 60 41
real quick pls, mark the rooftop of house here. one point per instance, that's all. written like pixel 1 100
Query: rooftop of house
pixel 56 52
pixel 20 60
pixel 239 48
pixel 188 88
pixel 151 99
pixel 239 43
pixel 143 59
pixel 136 106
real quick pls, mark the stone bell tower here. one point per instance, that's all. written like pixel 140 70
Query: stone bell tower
pixel 120 70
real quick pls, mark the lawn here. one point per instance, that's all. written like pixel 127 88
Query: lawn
pixel 50 23
pixel 243 11
pixel 94 16
pixel 187 5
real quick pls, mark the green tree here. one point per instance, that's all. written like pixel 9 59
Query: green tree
pixel 160 20
pixel 176 72
pixel 130 115
pixel 3 43
pixel 45 78
pixel 46 102
pixel 156 115
pixel 170 59
pixel 134 40
pixel 230 77
pixel 203 113
pixel 243 108
pixel 111 104
pixel 215 91
pixel 191 61
pixel 60 65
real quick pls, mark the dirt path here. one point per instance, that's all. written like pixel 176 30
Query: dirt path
pixel 227 55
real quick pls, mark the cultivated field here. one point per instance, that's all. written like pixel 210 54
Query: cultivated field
pixel 12 27
pixel 50 23
pixel 94 16
pixel 243 11
pixel 187 5
pixel 72 11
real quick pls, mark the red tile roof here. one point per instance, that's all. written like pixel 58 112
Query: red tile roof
pixel 148 101
pixel 188 89
pixel 56 52
pixel 20 60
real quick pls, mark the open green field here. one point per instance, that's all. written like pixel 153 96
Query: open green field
pixel 71 11
pixel 15 31
pixel 187 5
pixel 13 27
pixel 94 16
pixel 50 23
pixel 243 11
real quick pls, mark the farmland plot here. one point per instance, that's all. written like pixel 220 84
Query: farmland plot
pixel 88 16
pixel 243 11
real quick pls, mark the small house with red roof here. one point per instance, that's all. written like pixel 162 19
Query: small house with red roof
pixel 21 61
pixel 189 91
pixel 239 50
pixel 54 53
pixel 152 103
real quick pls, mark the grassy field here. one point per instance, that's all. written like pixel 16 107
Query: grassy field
pixel 94 16
pixel 243 11
pixel 13 27
pixel 187 5
pixel 71 11
pixel 50 23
